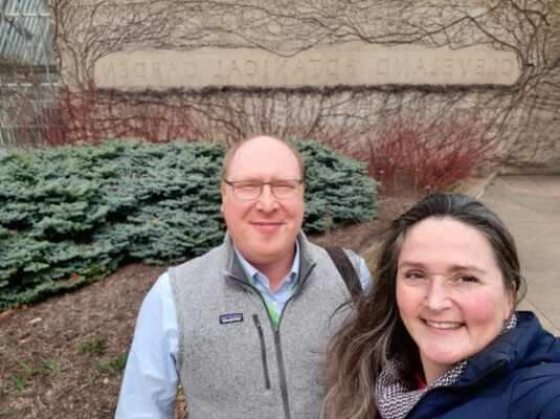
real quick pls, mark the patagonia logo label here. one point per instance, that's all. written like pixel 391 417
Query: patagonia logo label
pixel 228 318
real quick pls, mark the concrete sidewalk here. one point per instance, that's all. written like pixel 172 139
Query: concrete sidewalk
pixel 530 207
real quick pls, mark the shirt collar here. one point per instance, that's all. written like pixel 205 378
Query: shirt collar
pixel 255 275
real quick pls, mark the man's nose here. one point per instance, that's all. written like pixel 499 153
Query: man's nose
pixel 437 295
pixel 266 201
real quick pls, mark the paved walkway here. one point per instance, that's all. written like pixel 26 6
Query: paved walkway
pixel 530 207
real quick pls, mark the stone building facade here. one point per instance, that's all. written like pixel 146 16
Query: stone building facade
pixel 338 71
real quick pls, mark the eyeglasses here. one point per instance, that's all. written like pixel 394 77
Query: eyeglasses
pixel 249 190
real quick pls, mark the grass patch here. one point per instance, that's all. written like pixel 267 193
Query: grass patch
pixel 44 367
pixel 115 365
pixel 95 346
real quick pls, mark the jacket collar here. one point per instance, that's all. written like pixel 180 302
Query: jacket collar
pixel 526 344
pixel 235 272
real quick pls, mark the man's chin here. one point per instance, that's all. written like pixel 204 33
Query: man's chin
pixel 263 256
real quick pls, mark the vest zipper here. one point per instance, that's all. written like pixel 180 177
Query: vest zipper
pixel 282 375
pixel 279 353
pixel 263 351
pixel 277 342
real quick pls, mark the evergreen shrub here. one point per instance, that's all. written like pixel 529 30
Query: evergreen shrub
pixel 70 215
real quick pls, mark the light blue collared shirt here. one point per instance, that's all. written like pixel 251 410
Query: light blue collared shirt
pixel 274 300
pixel 149 385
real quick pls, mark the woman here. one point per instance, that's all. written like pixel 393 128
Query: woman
pixel 438 336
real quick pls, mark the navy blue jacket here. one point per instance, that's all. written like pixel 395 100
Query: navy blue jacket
pixel 516 377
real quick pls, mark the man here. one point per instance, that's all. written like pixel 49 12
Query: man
pixel 243 327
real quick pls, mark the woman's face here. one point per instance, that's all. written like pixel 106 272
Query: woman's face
pixel 450 292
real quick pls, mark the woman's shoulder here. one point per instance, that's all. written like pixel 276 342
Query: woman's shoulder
pixel 536 392
pixel 537 350
pixel 535 386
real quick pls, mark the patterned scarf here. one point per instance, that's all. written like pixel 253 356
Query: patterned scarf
pixel 395 398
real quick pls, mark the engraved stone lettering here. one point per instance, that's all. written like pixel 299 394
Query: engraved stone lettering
pixel 280 71
pixel 250 67
pixel 234 73
pixel 299 71
pixel 351 69
pixel 383 66
pixel 315 64
pixel 156 72
pixel 400 67
pixel 265 71
pixel 123 72
pixel 108 72
pixel 189 69
pixel 421 68
pixel 348 64
pixel 139 70
pixel 218 76
pixel 172 69
pixel 464 64
pixel 479 67
pixel 433 68
pixel 332 68
pixel 508 66
pixel 491 68
pixel 447 67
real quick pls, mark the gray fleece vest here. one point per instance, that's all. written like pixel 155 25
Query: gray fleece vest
pixel 232 363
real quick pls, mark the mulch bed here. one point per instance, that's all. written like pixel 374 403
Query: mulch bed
pixel 57 358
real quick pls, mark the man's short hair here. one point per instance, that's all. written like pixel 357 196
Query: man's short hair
pixel 233 149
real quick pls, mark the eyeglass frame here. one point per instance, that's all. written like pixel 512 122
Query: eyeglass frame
pixel 231 184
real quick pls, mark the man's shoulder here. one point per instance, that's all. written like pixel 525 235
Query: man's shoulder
pixel 203 265
pixel 322 253
pixel 317 250
pixel 336 257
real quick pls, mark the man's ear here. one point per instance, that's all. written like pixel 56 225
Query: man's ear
pixel 222 194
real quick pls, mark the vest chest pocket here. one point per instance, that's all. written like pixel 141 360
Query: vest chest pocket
pixel 231 354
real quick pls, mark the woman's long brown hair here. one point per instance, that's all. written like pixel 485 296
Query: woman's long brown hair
pixel 374 333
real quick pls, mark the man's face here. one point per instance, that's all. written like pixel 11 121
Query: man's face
pixel 264 229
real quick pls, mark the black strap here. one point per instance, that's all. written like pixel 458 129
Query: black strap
pixel 346 270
